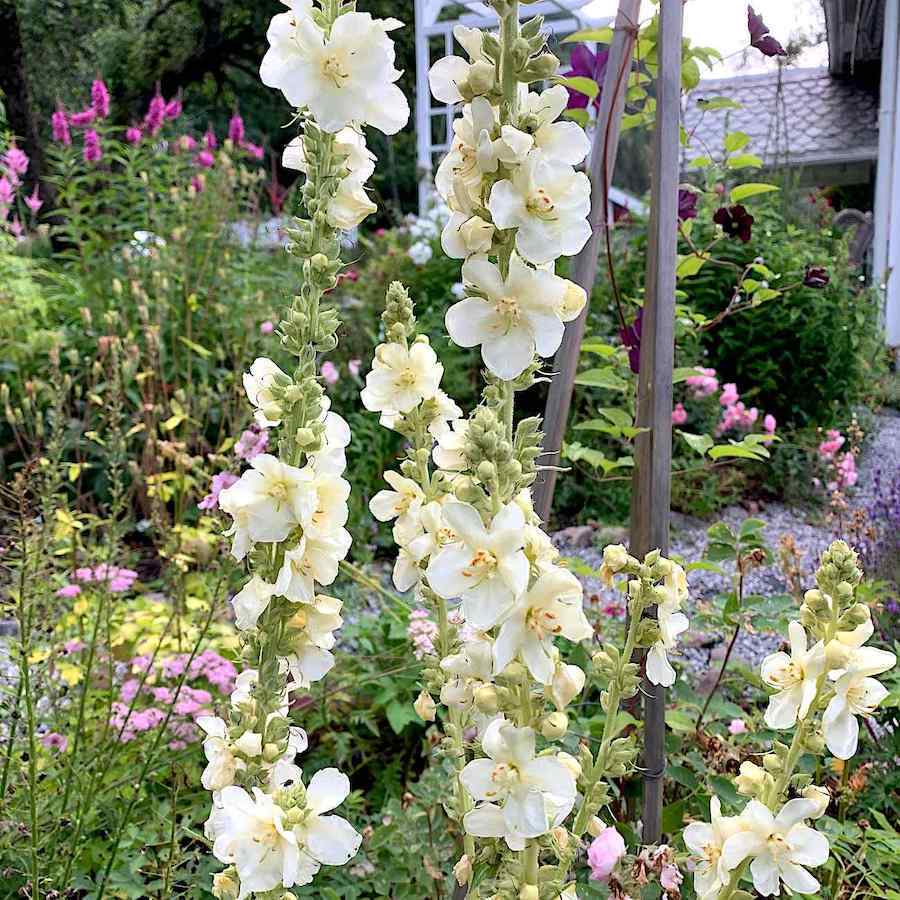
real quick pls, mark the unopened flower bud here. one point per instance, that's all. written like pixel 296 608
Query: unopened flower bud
pixel 225 885
pixel 567 684
pixel 595 826
pixel 462 871
pixel 570 763
pixel 615 557
pixel 529 892
pixel 820 796
pixel 486 699
pixel 425 706
pixel 271 752
pixel 482 78
pixel 319 262
pixel 555 726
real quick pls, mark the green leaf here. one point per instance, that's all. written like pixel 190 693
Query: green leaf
pixel 750 527
pixel 620 417
pixel 683 776
pixel 691 265
pixel 598 347
pixel 699 443
pixel 751 189
pixel 400 714
pixel 600 35
pixel 200 351
pixel 736 140
pixel 704 566
pixel 739 450
pixel 700 162
pixel 744 161
pixel 680 721
pixel 682 373
pixel 586 86
pixel 725 790
pixel 714 103
pixel 690 74
pixel 673 817
pixel 604 378
pixel 721 534
pixel 581 116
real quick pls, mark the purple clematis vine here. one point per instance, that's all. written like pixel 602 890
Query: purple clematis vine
pixel 586 64
pixel 630 336
pixel 760 38
pixel 687 204
pixel 735 221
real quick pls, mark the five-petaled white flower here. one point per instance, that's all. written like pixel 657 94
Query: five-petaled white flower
pixel 856 694
pixel 249 832
pixel 403 503
pixel 347 76
pixel 266 502
pixel 705 841
pixel 225 757
pixel 672 623
pixel 562 141
pixel 486 567
pixel 315 560
pixel 520 796
pixel 552 608
pixel 252 601
pixel 311 639
pixel 548 202
pixel 510 318
pixel 330 840
pixel 401 378
pixel 779 847
pixel 470 668
pixel 795 677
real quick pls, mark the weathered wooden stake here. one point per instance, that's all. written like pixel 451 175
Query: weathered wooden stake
pixel 652 490
pixel 604 149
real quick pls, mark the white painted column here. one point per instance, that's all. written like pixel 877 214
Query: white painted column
pixel 423 104
pixel 886 251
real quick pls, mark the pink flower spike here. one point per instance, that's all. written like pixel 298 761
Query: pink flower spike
pixel 210 140
pixel 187 143
pixel 6 191
pixel 70 590
pixel 604 853
pixel 93 152
pixel 156 113
pixel 330 372
pixel 205 159
pixel 174 109
pixel 253 150
pixel 33 201
pixel 15 160
pixel 769 423
pixel 100 98
pixel 83 118
pixel 267 327
pixel 236 130
pixel 60 124
pixel 133 134
pixel 737 726
pixel 16 228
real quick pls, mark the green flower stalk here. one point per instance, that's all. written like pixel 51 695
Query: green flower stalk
pixel 289 509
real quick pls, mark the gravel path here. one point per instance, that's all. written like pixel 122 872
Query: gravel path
pixel 808 529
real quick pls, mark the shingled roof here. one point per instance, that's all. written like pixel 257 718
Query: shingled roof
pixel 798 117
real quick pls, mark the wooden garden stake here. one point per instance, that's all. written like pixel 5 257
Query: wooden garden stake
pixel 652 485
pixel 604 148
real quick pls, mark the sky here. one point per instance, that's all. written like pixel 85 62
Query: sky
pixel 723 24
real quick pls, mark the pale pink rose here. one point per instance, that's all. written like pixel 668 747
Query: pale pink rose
pixel 604 853
pixel 737 726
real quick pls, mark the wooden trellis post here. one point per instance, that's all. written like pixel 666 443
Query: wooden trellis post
pixel 652 485
pixel 604 149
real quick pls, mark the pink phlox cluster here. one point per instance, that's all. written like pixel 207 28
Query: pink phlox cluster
pixel 220 482
pixel 703 385
pixel 422 632
pixel 828 448
pixel 251 443
pixel 679 414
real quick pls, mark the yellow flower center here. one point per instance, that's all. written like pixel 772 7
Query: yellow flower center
pixel 778 846
pixel 504 776
pixel 858 701
pixel 482 565
pixel 540 204
pixel 542 622
pixel 334 71
pixel 508 307
pixel 788 676
pixel 407 377
pixel 279 490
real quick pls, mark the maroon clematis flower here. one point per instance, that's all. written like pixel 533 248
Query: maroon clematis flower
pixel 586 64
pixel 816 277
pixel 735 221
pixel 687 204
pixel 631 338
pixel 760 37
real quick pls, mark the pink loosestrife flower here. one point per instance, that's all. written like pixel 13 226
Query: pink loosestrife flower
pixel 7 193
pixel 16 228
pixel 156 113
pixel 210 141
pixel 219 483
pixel 604 853
pixel 33 201
pixel 679 415
pixel 60 124
pixel 829 448
pixel 236 130
pixel 198 183
pixel 330 372
pixel 100 98
pixel 83 118
pixel 205 159
pixel 133 134
pixel 15 161
pixel 253 150
pixel 174 109
pixel 93 152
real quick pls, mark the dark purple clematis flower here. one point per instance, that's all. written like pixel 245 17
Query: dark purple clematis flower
pixel 631 338
pixel 735 221
pixel 760 37
pixel 816 277
pixel 586 64
pixel 687 204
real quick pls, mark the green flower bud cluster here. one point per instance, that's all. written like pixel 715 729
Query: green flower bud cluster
pixel 612 669
pixel 493 459
pixel 399 315
pixel 831 605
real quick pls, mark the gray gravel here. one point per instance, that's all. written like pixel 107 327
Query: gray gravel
pixel 811 534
